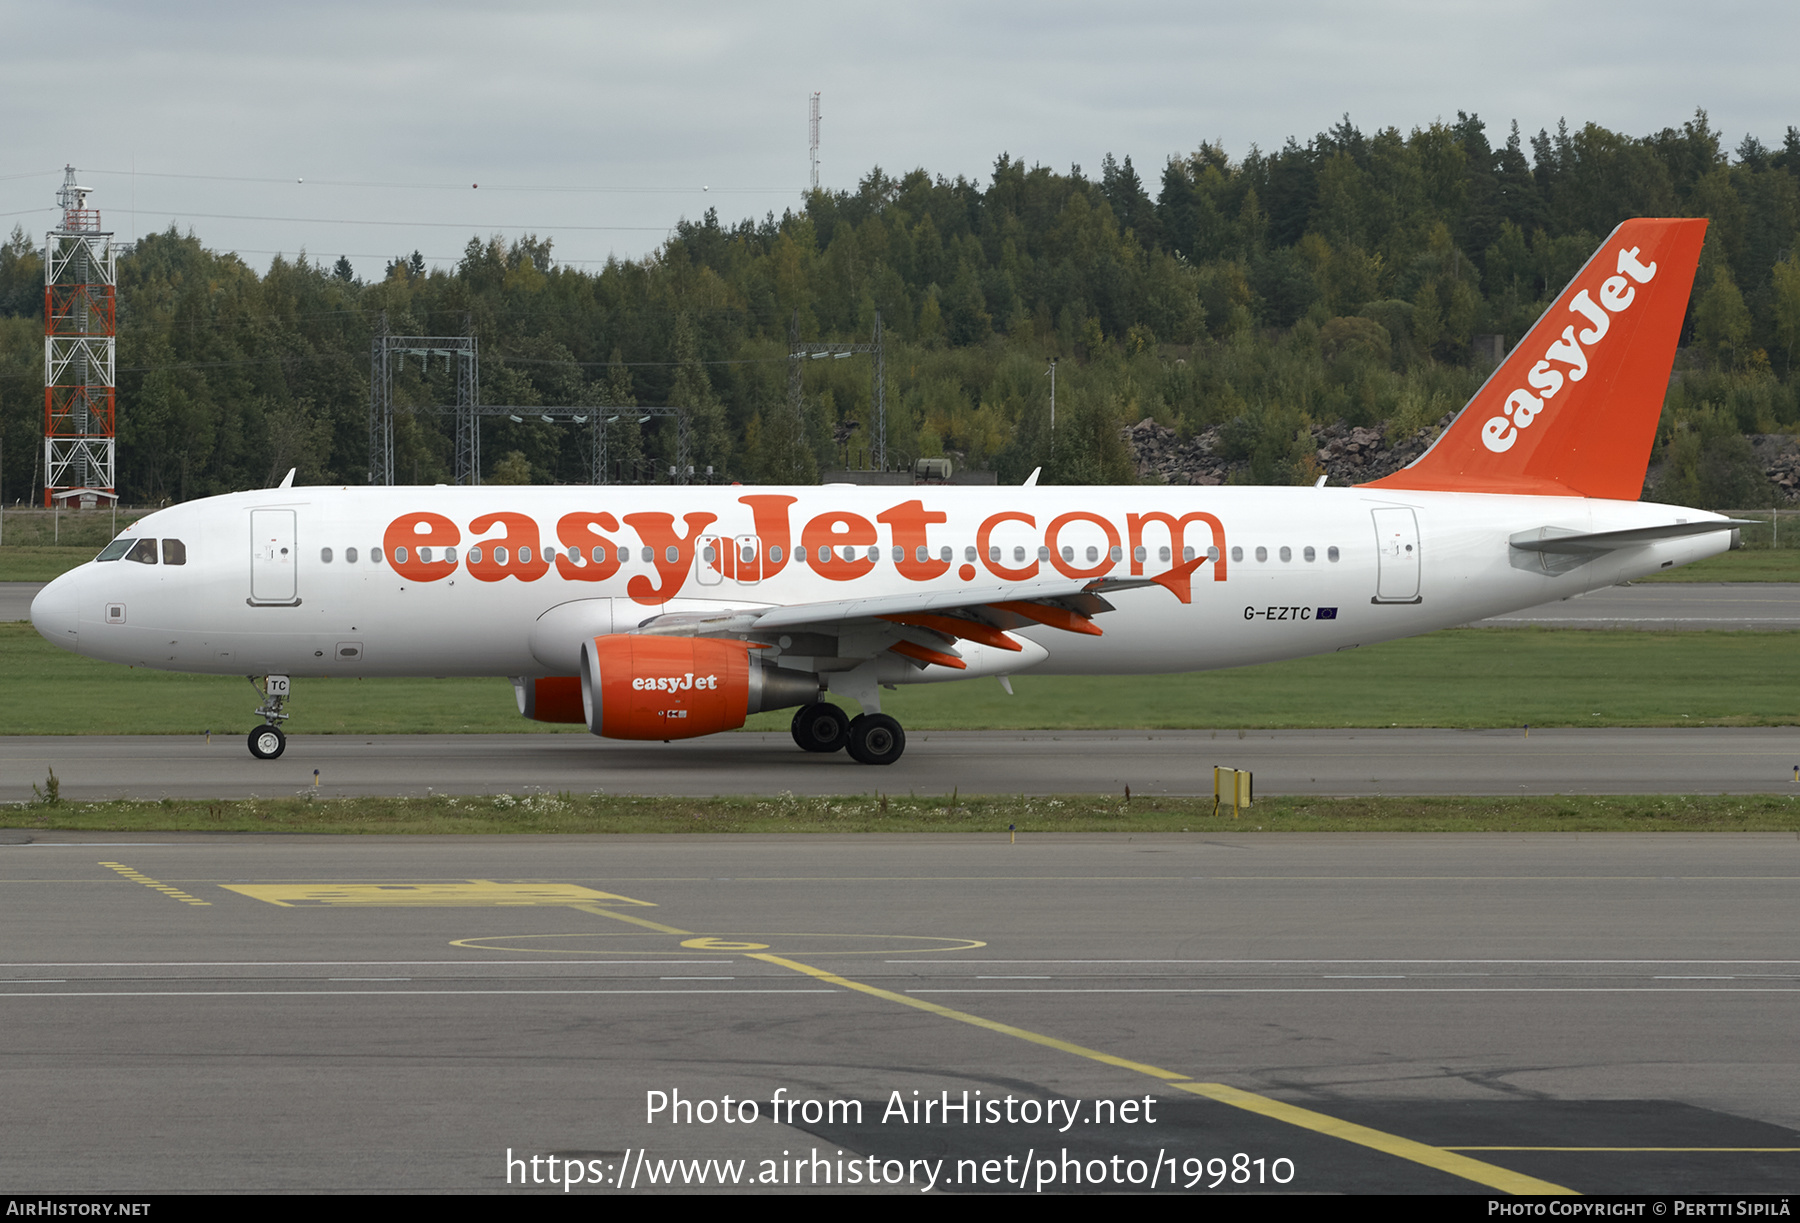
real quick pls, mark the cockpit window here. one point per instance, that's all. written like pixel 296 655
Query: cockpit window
pixel 117 548
pixel 143 552
pixel 174 552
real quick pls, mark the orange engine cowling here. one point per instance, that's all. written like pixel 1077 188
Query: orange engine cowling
pixel 642 687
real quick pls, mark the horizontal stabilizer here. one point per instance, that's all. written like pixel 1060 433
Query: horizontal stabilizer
pixel 1579 543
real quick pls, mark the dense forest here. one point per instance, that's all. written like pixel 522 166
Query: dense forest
pixel 1349 286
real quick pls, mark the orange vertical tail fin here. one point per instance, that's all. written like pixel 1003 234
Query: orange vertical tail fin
pixel 1573 409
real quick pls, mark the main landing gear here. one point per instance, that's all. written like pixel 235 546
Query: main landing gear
pixel 873 738
pixel 266 741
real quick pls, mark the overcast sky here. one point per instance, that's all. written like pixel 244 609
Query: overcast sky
pixel 364 129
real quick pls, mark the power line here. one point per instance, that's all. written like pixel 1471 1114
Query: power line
pixel 230 216
pixel 338 182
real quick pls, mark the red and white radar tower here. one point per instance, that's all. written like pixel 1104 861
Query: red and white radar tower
pixel 80 334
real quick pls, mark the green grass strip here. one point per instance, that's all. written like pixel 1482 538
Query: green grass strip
pixel 976 815
pixel 1459 678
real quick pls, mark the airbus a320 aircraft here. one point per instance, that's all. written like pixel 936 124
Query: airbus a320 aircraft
pixel 672 612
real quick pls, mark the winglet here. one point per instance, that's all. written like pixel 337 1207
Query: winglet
pixel 287 481
pixel 1179 581
pixel 1572 411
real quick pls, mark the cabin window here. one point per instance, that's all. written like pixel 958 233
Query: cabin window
pixel 1187 554
pixel 944 554
pixel 143 552
pixel 624 556
pixel 923 553
pixel 1068 553
pixel 116 549
pixel 874 553
pixel 500 557
pixel 969 553
pixel 449 556
pixel 175 552
pixel 900 555
pixel 1018 553
pixel 1212 553
pixel 599 555
pixel 1163 554
pixel 1140 554
pixel 1331 554
pixel 800 554
pixel 525 556
pixel 1043 553
pixel 425 555
pixel 774 554
pixel 400 555
pixel 474 556
pixel 1237 554
pixel 1287 554
pixel 349 556
pixel 709 554
pixel 375 556
pixel 672 553
pixel 1117 554
pixel 324 555
pixel 994 553
pixel 1308 554
pixel 649 556
pixel 1262 553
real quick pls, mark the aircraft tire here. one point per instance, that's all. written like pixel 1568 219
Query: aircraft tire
pixel 821 727
pixel 267 742
pixel 876 738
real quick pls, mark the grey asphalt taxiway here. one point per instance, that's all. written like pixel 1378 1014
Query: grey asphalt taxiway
pixel 1701 760
pixel 1376 1013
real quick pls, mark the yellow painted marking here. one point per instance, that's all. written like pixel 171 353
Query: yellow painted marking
pixel 791 942
pixel 722 944
pixel 1652 1150
pixel 475 893
pixel 1443 1159
pixel 964 1017
pixel 600 911
pixel 172 893
pixel 1404 1148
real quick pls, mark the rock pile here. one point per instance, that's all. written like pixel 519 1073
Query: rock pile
pixel 1346 455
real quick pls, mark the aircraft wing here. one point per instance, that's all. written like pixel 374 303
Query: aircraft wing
pixel 924 626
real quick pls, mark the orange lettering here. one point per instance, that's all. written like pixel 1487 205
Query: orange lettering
pixel 410 532
pixel 1068 568
pixel 986 530
pixel 525 559
pixel 580 534
pixel 658 532
pixel 908 522
pixel 771 528
pixel 839 529
pixel 1134 525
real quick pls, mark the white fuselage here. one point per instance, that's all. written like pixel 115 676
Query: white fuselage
pixel 1299 571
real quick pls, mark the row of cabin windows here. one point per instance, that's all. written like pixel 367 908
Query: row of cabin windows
pixel 1286 554
pixel 143 551
pixel 748 555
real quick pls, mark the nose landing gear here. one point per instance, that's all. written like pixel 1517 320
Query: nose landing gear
pixel 266 741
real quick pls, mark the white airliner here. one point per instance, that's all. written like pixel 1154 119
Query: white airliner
pixel 671 612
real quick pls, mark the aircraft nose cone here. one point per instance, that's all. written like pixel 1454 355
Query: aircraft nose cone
pixel 56 610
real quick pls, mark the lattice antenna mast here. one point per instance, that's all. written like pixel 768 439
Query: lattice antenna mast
pixel 80 313
pixel 813 145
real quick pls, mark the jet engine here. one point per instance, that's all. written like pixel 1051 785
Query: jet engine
pixel 644 687
pixel 550 698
